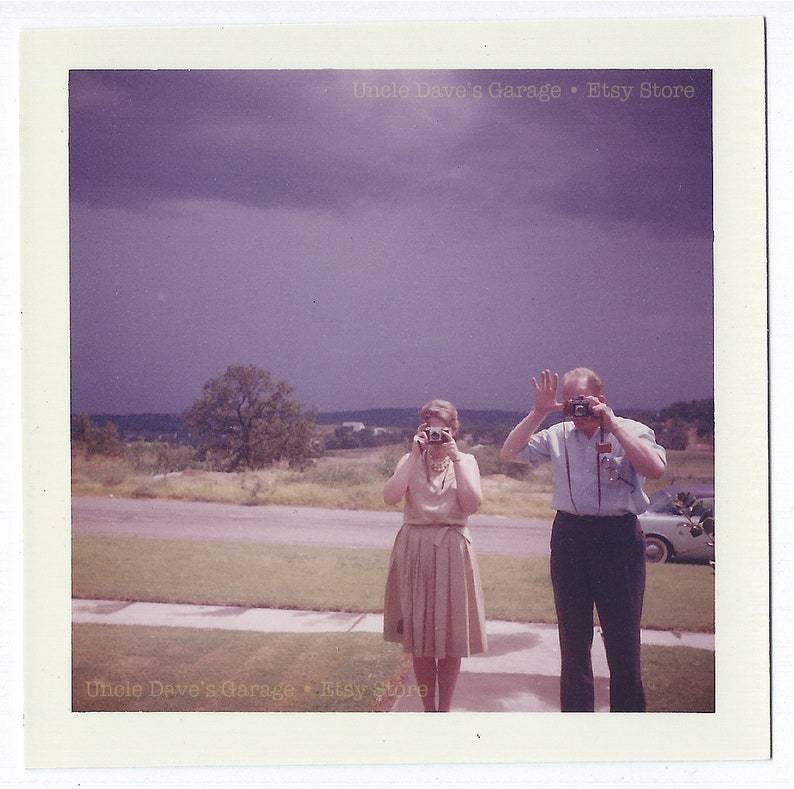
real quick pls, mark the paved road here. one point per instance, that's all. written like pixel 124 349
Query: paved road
pixel 288 525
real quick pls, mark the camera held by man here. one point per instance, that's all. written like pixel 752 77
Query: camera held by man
pixel 579 408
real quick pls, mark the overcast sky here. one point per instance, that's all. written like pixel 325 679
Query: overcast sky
pixel 377 251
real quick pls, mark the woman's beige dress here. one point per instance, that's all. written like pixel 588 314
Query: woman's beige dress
pixel 433 603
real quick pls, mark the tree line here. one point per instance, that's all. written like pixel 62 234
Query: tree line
pixel 243 420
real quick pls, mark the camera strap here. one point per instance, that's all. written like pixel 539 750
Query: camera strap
pixel 601 448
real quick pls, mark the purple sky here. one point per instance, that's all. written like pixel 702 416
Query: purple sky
pixel 377 252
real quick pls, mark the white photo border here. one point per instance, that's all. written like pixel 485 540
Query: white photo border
pixel 733 49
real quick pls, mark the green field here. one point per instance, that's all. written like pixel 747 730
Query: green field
pixel 678 597
pixel 156 669
pixel 229 664
pixel 167 669
pixel 351 479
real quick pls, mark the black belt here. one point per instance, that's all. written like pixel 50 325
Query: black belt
pixel 609 520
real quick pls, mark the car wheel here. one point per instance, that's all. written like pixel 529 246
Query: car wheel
pixel 657 550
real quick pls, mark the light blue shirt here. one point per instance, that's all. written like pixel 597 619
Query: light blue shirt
pixel 621 485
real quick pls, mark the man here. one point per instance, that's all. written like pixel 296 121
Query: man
pixel 599 463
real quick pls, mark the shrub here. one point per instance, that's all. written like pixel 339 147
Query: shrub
pixel 96 440
pixel 336 475
pixel 158 457
pixel 144 491
pixel 490 463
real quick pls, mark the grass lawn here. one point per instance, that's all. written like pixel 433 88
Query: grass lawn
pixel 678 679
pixel 167 669
pixel 218 573
pixel 118 668
pixel 129 668
pixel 678 597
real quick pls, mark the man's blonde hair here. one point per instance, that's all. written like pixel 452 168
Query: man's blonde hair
pixel 592 379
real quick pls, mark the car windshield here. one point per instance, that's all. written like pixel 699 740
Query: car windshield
pixel 662 501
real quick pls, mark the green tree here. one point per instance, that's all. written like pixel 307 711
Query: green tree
pixel 96 440
pixel 245 421
pixel 674 434
pixel 698 414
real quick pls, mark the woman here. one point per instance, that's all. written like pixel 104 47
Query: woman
pixel 433 603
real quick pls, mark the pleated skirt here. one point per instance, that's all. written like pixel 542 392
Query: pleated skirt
pixel 433 604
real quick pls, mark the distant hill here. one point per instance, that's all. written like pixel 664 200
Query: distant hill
pixel 145 427
pixel 408 417
pixel 171 428
pixel 476 420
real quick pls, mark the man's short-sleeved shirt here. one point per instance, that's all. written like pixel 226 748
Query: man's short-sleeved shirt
pixel 621 485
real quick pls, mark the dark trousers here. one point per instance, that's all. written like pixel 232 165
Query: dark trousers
pixel 599 561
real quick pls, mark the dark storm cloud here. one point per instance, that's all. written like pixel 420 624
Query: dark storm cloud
pixel 302 139
pixel 635 173
pixel 143 137
pixel 623 158
pixel 380 251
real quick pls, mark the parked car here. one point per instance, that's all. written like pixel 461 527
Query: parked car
pixel 668 534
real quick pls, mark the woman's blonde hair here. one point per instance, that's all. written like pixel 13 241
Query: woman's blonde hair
pixel 441 409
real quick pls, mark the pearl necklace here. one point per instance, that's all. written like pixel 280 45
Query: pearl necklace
pixel 439 465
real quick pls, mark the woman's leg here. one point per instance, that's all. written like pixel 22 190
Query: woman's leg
pixel 448 670
pixel 425 673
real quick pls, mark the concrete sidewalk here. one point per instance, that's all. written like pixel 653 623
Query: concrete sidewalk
pixel 519 673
